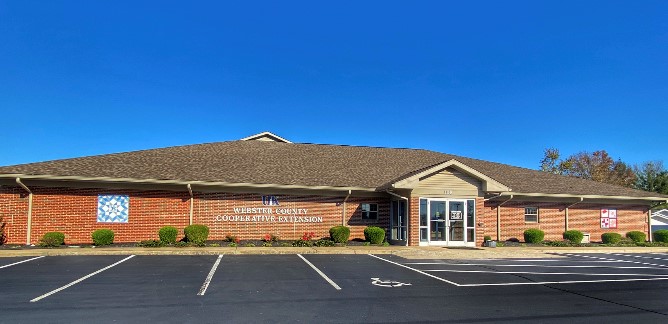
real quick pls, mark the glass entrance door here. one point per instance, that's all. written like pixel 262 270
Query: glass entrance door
pixel 447 221
pixel 398 220
pixel 437 221
pixel 456 221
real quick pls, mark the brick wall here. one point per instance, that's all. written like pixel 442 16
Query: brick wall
pixel 582 217
pixel 74 212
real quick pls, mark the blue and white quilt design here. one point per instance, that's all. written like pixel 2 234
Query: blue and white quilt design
pixel 112 208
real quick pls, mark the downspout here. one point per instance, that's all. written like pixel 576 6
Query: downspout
pixel 566 214
pixel 29 229
pixel 407 202
pixel 343 214
pixel 498 218
pixel 190 191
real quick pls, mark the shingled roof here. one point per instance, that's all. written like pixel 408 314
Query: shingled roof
pixel 278 163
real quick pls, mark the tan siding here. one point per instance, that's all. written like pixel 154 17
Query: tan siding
pixel 459 183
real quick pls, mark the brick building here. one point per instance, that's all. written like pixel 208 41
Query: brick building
pixel 264 184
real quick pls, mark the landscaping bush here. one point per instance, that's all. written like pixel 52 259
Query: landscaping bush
pixel 374 234
pixel 574 236
pixel 302 243
pixel 611 238
pixel 103 237
pixel 487 238
pixel 636 236
pixel 339 234
pixel 168 234
pixel 151 243
pixel 324 243
pixel 196 233
pixel 52 239
pixel 534 235
pixel 661 236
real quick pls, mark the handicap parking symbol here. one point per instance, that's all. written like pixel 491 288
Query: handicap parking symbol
pixel 388 283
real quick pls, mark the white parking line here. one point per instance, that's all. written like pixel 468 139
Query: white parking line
pixel 205 286
pixel 626 261
pixel 320 273
pixel 559 282
pixel 15 263
pixel 416 270
pixel 639 256
pixel 80 280
pixel 531 265
pixel 552 273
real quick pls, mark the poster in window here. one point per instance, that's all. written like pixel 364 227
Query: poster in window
pixel 608 218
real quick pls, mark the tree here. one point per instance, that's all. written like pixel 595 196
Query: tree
pixel 652 176
pixel 597 166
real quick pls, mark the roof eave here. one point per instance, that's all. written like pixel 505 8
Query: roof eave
pixel 221 184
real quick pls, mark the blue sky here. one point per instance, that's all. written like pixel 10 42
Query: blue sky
pixel 494 80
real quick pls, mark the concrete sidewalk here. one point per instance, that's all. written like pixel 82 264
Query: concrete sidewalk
pixel 403 251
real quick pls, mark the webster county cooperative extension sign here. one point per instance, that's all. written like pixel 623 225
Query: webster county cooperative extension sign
pixel 269 214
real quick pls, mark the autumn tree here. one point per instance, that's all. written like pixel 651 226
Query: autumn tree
pixel 597 166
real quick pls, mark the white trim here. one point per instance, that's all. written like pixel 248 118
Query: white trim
pixel 538 194
pixel 266 134
pixel 180 182
pixel 488 183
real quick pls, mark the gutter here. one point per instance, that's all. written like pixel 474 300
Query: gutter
pixel 29 225
pixel 498 218
pixel 566 210
pixel 179 182
pixel 190 191
pixel 407 202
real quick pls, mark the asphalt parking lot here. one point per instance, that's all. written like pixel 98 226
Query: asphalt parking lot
pixel 612 287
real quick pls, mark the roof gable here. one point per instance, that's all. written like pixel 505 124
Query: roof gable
pixel 266 137
pixel 488 184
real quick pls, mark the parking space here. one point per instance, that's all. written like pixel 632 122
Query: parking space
pixel 333 288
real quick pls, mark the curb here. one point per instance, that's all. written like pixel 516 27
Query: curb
pixel 407 252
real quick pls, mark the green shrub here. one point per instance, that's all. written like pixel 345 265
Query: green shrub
pixel 487 238
pixel 168 234
pixel 103 237
pixel 636 236
pixel 339 234
pixel 302 243
pixel 233 244
pixel 151 243
pixel 558 243
pixel 324 243
pixel 661 236
pixel 267 244
pixel 52 239
pixel 534 235
pixel 181 244
pixel 374 234
pixel 611 238
pixel 196 233
pixel 574 236
pixel 249 244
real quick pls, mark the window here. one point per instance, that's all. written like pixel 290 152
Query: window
pixel 531 214
pixel 369 211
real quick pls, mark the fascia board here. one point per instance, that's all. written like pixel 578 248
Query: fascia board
pixel 600 197
pixel 181 182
